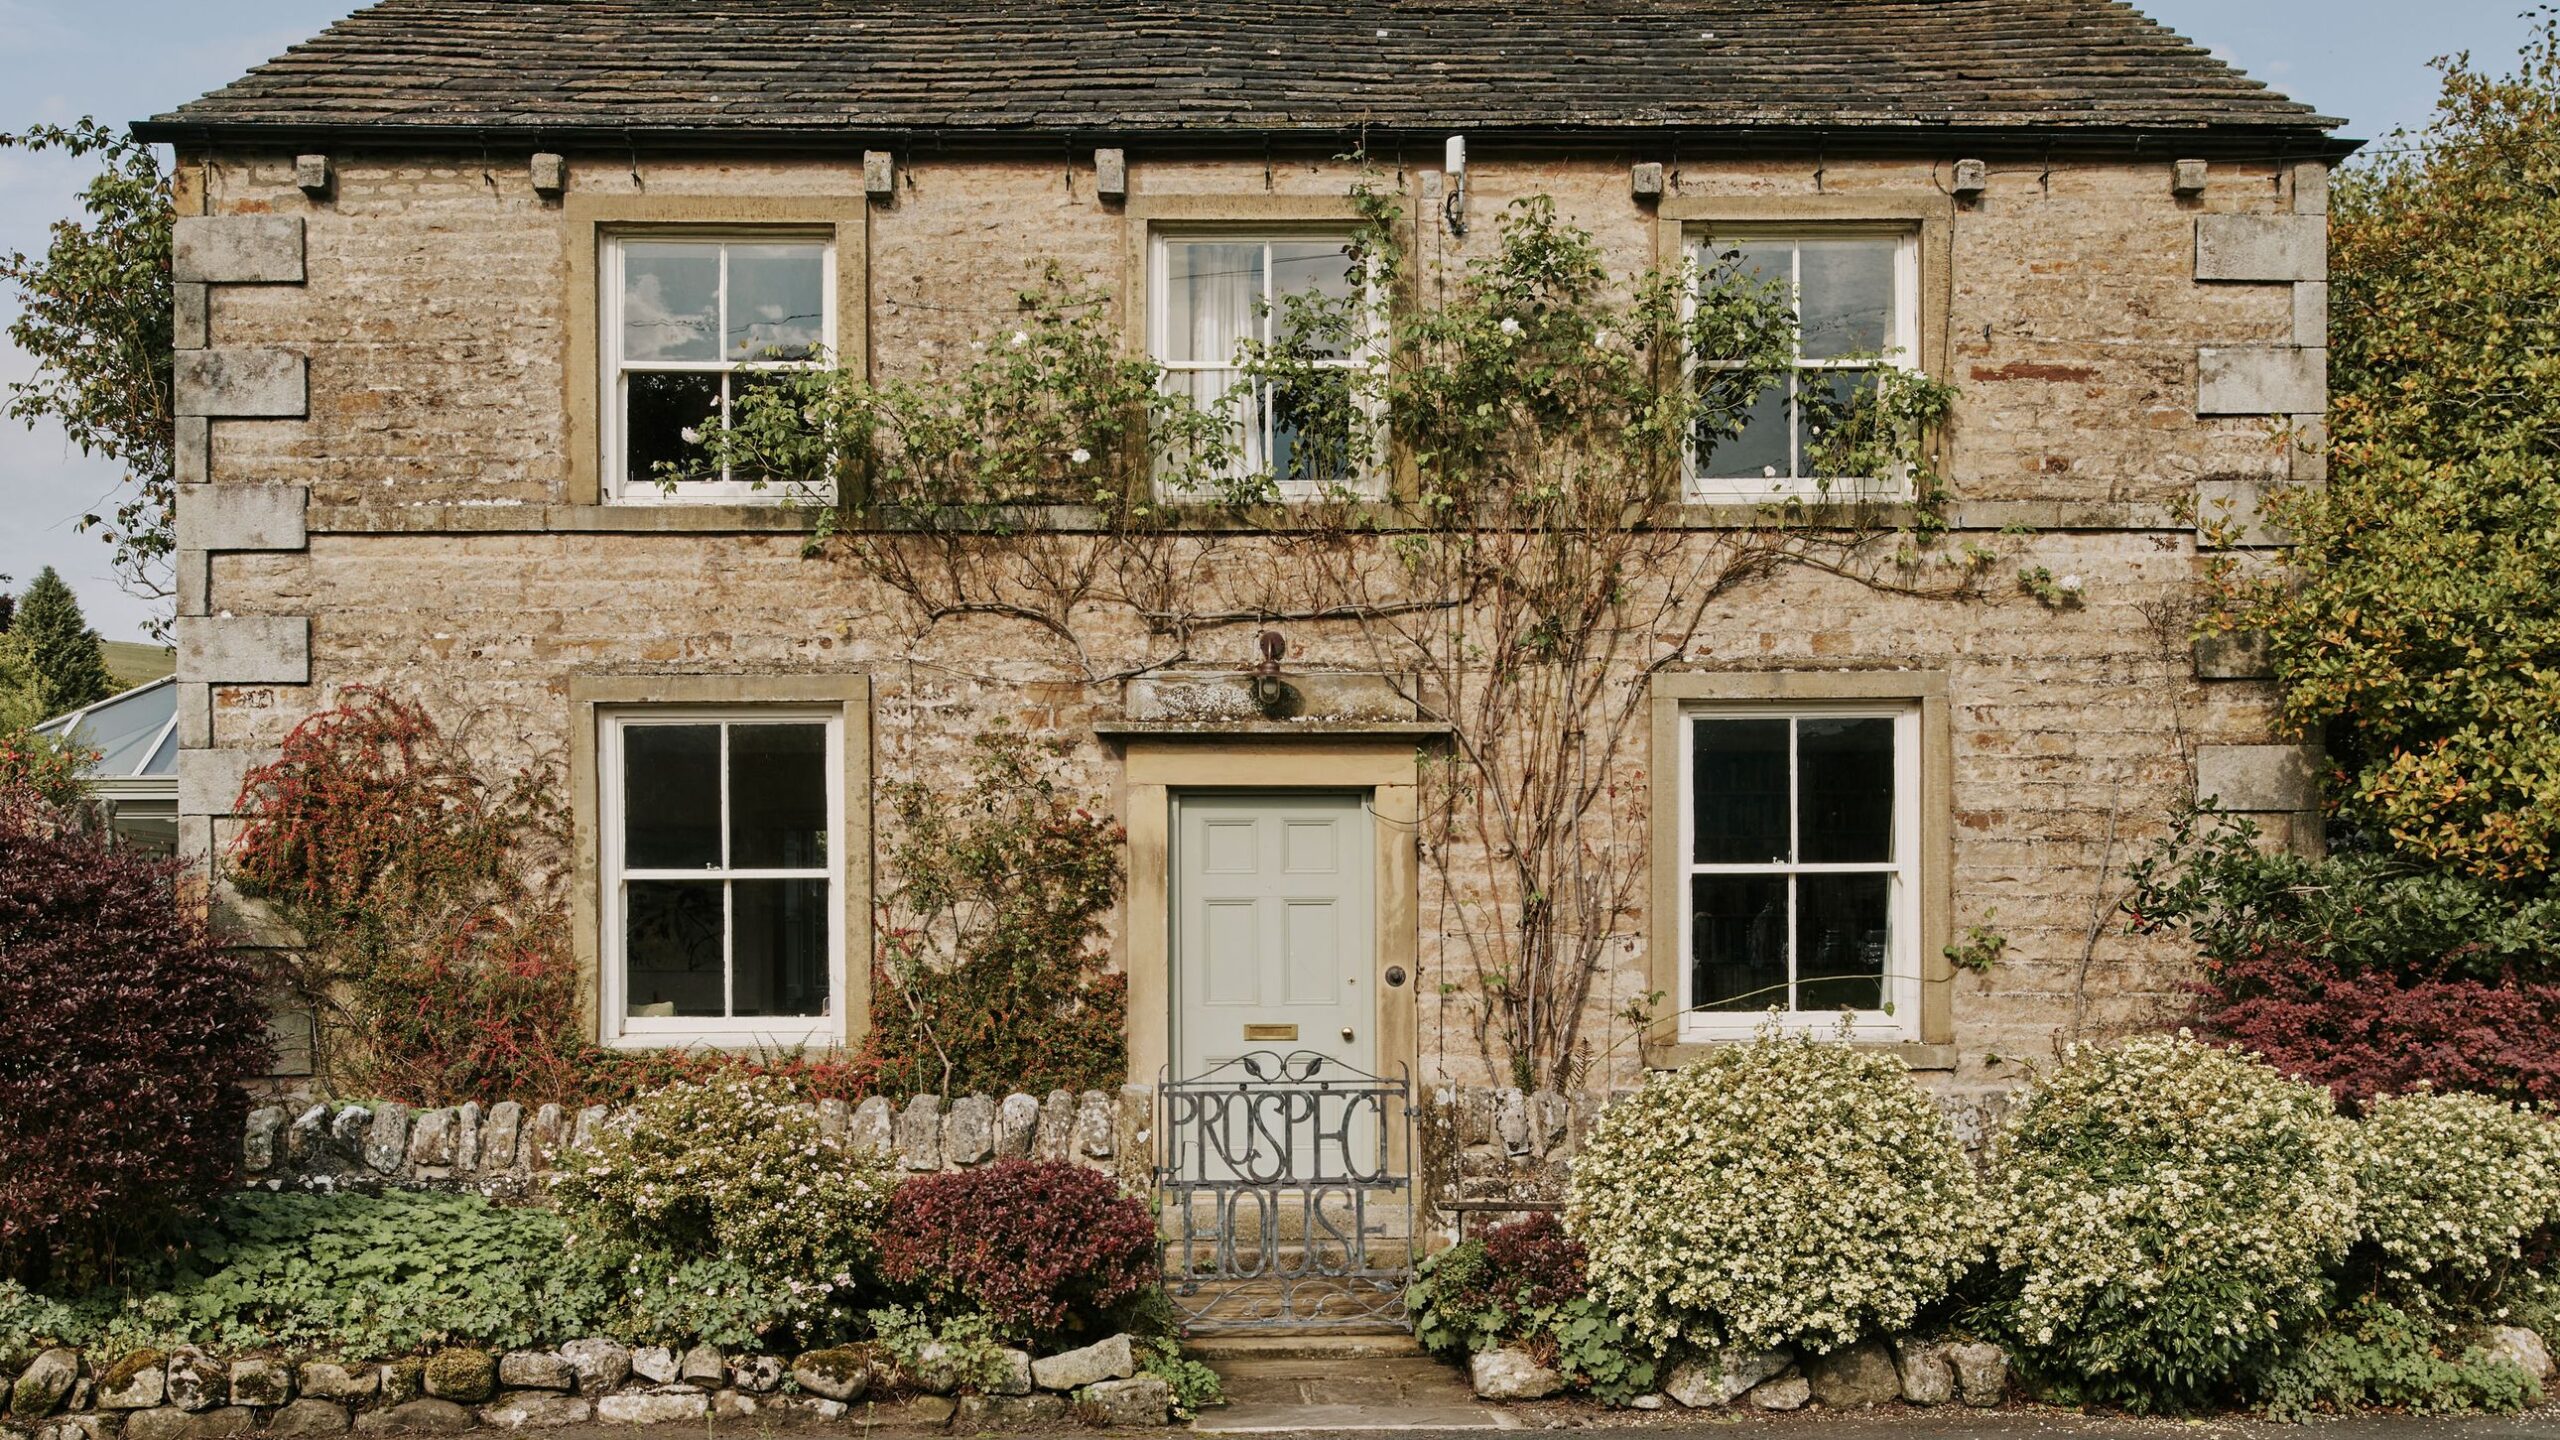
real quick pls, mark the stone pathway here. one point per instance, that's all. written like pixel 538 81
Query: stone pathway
pixel 1382 1383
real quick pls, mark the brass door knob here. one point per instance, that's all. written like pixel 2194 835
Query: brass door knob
pixel 1346 1034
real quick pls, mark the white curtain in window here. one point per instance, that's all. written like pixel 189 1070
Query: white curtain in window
pixel 1216 290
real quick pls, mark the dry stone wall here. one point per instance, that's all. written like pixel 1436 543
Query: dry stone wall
pixel 507 1150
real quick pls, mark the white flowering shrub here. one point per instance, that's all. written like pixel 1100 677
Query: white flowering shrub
pixel 2171 1211
pixel 1786 1191
pixel 2455 1188
pixel 735 1168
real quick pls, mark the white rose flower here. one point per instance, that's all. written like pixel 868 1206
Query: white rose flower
pixel 1081 455
pixel 1020 339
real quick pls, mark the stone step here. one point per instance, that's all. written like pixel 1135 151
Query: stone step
pixel 1220 1351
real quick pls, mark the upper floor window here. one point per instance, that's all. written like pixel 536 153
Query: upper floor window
pixel 722 869
pixel 693 322
pixel 1214 294
pixel 1801 851
pixel 1856 296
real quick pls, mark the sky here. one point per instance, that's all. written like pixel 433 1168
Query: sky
pixel 2364 60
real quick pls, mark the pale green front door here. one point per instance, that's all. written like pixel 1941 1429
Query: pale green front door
pixel 1274 935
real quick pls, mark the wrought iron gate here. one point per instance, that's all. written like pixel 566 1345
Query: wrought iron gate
pixel 1284 1206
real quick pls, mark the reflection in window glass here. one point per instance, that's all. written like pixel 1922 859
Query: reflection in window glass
pixel 699 321
pixel 1797 865
pixel 725 869
pixel 1853 313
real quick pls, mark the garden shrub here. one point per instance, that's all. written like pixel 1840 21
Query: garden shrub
pixel 2458 1192
pixel 126 1032
pixel 2358 971
pixel 2373 1354
pixel 347 1274
pixel 1526 1284
pixel 738 1170
pixel 1787 1191
pixel 1044 1250
pixel 2171 1214
pixel 991 977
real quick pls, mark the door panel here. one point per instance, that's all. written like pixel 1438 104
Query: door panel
pixel 1273 927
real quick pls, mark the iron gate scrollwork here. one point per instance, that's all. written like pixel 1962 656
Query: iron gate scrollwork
pixel 1284 1206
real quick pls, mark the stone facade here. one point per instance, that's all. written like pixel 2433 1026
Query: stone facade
pixel 380 488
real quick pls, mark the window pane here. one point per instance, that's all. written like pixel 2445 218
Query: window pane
pixel 1847 296
pixel 1739 791
pixel 781 947
pixel 1315 268
pixel 671 937
pixel 777 797
pixel 657 410
pixel 1842 935
pixel 1760 451
pixel 1210 294
pixel 671 797
pixel 777 301
pixel 1737 942
pixel 1752 261
pixel 1844 779
pixel 1311 428
pixel 670 302
pixel 1825 399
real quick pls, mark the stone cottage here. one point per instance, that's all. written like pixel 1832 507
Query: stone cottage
pixel 453 277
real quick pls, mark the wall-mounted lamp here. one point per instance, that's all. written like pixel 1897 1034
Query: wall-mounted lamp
pixel 1268 691
pixel 1454 209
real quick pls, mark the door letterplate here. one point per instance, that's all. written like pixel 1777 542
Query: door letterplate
pixel 1271 1032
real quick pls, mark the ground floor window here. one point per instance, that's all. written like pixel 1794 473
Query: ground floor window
pixel 723 866
pixel 1799 837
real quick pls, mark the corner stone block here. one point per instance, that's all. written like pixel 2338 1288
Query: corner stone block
pixel 2231 515
pixel 2261 380
pixel 209 780
pixel 190 317
pixel 2257 779
pixel 242 384
pixel 244 650
pixel 243 517
pixel 2240 655
pixel 2311 314
pixel 2311 188
pixel 193 463
pixel 2262 248
pixel 237 250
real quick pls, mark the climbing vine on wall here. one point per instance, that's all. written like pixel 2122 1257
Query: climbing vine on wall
pixel 1511 549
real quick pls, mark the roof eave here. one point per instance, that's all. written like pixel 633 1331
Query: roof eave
pixel 2312 138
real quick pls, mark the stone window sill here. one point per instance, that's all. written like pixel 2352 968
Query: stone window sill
pixel 1917 1054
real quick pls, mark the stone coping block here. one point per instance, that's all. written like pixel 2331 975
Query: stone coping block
pixel 237 250
pixel 242 384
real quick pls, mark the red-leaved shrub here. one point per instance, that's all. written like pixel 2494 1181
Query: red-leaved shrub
pixel 1533 1264
pixel 2375 1033
pixel 1043 1249
pixel 125 1034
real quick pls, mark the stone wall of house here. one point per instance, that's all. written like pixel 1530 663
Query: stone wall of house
pixel 506 1150
pixel 377 431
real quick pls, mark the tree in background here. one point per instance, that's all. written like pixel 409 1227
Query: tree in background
pixel 94 313
pixel 56 650
pixel 2417 633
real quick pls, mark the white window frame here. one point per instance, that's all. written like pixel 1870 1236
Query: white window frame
pixel 1901 352
pixel 619 1029
pixel 1159 340
pixel 611 410
pixel 1902 982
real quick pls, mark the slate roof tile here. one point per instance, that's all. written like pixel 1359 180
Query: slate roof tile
pixel 1271 65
